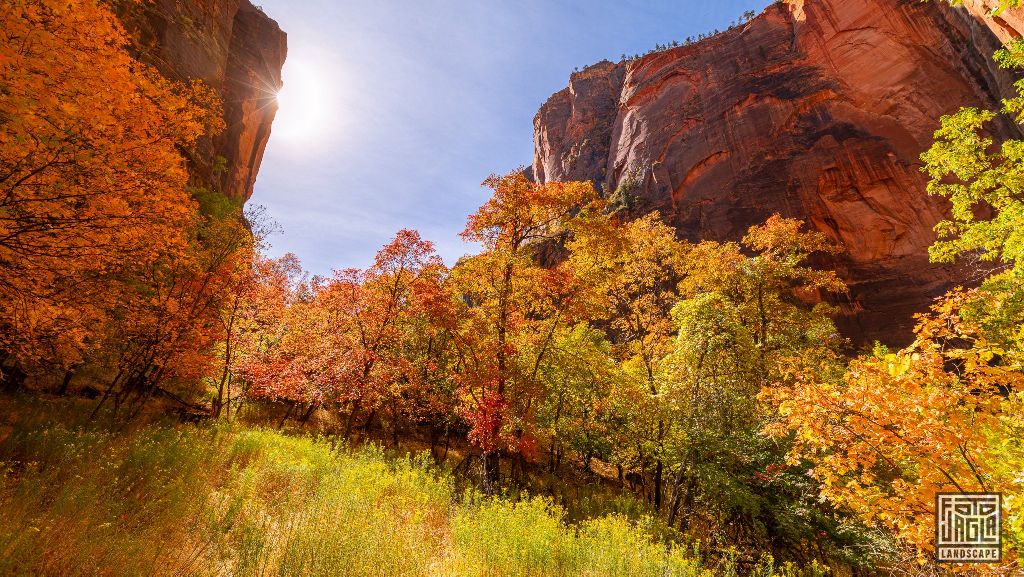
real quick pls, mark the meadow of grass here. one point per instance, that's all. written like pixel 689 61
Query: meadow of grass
pixel 165 499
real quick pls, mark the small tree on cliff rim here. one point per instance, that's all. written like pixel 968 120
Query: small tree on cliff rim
pixel 1001 6
pixel 514 302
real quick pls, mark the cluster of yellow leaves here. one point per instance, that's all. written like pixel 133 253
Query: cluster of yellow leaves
pixel 897 428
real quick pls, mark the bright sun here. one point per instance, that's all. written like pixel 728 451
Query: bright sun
pixel 304 103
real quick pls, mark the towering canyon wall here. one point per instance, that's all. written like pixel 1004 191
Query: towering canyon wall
pixel 236 49
pixel 816 109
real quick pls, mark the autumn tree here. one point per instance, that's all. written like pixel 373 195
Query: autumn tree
pixel 254 317
pixel 635 269
pixel 747 313
pixel 91 177
pixel 514 307
pixel 166 326
pixel 900 427
pixel 349 344
pixel 284 362
pixel 371 311
pixel 432 332
pixel 580 413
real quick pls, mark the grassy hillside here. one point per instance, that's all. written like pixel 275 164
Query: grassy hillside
pixel 224 500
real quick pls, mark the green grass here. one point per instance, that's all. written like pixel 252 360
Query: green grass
pixel 222 500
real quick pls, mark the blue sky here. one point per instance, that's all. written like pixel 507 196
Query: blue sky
pixel 394 111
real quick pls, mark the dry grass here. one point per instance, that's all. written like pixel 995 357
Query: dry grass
pixel 222 500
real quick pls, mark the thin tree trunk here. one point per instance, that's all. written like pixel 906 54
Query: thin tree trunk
pixel 492 472
pixel 364 429
pixel 658 472
pixel 226 370
pixel 435 438
pixel 447 442
pixel 673 502
pixel 68 375
pixel 288 413
pixel 227 402
pixel 309 412
pixel 140 403
pixel 351 419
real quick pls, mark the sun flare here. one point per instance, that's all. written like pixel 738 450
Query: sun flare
pixel 304 103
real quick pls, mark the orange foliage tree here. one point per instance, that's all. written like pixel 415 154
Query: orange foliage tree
pixel 346 343
pixel 166 326
pixel 371 312
pixel 255 317
pixel 92 181
pixel 634 270
pixel 514 306
pixel 897 428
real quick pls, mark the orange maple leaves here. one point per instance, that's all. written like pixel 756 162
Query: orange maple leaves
pixel 346 341
pixel 92 182
pixel 897 428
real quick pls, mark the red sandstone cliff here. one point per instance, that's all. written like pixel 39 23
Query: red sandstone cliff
pixel 239 51
pixel 816 109
pixel 1006 25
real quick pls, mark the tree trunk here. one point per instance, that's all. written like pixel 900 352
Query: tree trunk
pixel 309 413
pixel 218 402
pixel 140 403
pixel 225 374
pixel 227 402
pixel 435 438
pixel 364 429
pixel 687 506
pixel 68 375
pixel 351 419
pixel 288 413
pixel 12 379
pixel 658 471
pixel 106 394
pixel 673 502
pixel 492 472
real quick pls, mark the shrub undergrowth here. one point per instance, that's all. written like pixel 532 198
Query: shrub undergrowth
pixel 226 500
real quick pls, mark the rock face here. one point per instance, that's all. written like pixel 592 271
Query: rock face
pixel 816 109
pixel 1007 25
pixel 237 50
